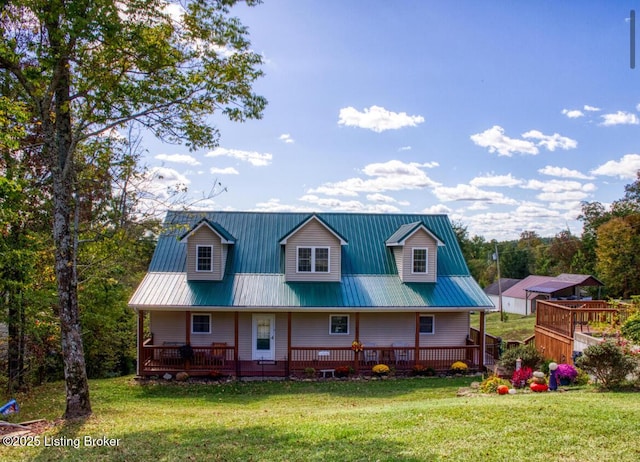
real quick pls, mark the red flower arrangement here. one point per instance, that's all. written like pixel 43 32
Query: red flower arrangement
pixel 521 376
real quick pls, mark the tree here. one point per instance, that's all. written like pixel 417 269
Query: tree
pixel 617 251
pixel 82 68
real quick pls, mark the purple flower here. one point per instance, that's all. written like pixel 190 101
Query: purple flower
pixel 566 371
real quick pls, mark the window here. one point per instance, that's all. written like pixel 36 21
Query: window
pixel 204 258
pixel 313 259
pixel 420 260
pixel 200 323
pixel 426 324
pixel 339 324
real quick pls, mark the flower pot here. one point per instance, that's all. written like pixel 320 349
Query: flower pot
pixel 564 381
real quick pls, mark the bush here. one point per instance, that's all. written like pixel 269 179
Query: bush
pixel 380 369
pixel 491 384
pixel 631 328
pixel 528 353
pixel 459 368
pixel 566 372
pixel 420 371
pixel 520 377
pixel 607 362
pixel 343 371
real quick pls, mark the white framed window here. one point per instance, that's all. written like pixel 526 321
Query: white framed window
pixel 338 324
pixel 419 261
pixel 427 324
pixel 204 258
pixel 200 323
pixel 313 259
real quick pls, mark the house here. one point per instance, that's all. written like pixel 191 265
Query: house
pixel 248 293
pixel 521 297
pixel 494 290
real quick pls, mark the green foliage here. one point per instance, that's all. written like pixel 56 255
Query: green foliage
pixel 631 328
pixel 528 353
pixel 607 362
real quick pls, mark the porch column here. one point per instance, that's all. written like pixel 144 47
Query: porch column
pixel 236 336
pixel 416 342
pixel 289 342
pixel 140 365
pixel 187 334
pixel 356 354
pixel 482 342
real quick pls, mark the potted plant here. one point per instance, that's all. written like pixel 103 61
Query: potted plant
pixel 566 374
pixel 459 368
pixel 380 370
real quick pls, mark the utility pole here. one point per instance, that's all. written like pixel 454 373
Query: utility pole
pixel 496 256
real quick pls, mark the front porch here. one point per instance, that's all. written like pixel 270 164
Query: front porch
pixel 224 360
pixel 230 352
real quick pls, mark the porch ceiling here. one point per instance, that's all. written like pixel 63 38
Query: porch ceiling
pixel 160 289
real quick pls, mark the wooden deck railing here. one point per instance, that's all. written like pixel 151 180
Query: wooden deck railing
pixel 159 359
pixel 565 316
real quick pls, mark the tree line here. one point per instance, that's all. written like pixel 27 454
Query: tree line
pixel 608 248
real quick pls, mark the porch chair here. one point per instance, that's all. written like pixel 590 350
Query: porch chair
pixel 400 352
pixel 218 352
pixel 370 353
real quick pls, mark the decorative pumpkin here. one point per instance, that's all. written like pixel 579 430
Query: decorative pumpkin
pixel 538 387
pixel 539 380
pixel 503 389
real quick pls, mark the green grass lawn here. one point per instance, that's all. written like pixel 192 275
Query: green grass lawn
pixel 515 327
pixel 418 419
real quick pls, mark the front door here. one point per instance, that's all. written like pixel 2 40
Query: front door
pixel 264 337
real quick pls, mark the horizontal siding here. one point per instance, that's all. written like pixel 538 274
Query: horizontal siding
pixel 205 236
pixel 420 239
pixel 313 234
pixel 311 329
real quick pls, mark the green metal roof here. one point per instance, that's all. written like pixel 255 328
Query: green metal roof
pixel 254 272
pixel 172 290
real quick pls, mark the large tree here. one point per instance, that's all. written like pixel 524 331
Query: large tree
pixel 84 67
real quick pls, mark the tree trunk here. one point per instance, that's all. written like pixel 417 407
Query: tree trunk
pixel 59 154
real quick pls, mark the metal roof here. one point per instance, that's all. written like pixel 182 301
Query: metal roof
pixel 254 275
pixel 172 290
pixel 550 287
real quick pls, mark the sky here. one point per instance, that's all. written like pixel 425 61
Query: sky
pixel 503 115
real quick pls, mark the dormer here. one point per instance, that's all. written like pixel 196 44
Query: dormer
pixel 313 252
pixel 207 247
pixel 415 250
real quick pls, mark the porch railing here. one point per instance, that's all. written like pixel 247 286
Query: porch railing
pixel 159 359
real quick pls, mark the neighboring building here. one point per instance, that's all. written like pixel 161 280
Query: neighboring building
pixel 494 290
pixel 247 293
pixel 522 296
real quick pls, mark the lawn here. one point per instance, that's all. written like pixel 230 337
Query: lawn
pixel 418 419
pixel 515 326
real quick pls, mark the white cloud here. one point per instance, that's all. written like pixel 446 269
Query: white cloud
pixel 463 192
pixel 178 159
pixel 348 206
pixel 224 171
pixel 551 142
pixel 563 172
pixel 495 139
pixel 625 168
pixel 393 175
pixel 620 118
pixel 377 118
pixel 555 186
pixel 562 196
pixel 573 113
pixel 591 108
pixel 405 148
pixel 286 138
pixel 274 205
pixel 638 107
pixel 439 209
pixel 256 159
pixel 495 181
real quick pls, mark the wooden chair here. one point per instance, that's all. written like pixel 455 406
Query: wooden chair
pixel 219 352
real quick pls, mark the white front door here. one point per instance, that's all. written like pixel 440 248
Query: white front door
pixel 264 337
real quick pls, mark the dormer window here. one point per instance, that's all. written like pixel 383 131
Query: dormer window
pixel 204 258
pixel 313 259
pixel 420 260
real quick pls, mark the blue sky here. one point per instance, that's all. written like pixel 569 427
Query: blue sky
pixel 503 115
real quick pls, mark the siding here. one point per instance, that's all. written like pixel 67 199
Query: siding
pixel 170 326
pixel 313 234
pixel 204 236
pixel 419 239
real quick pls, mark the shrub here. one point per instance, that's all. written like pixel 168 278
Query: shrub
pixel 309 372
pixel 566 372
pixel 491 384
pixel 520 377
pixel 419 370
pixel 528 353
pixel 459 368
pixel 607 362
pixel 631 328
pixel 380 369
pixel 343 371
